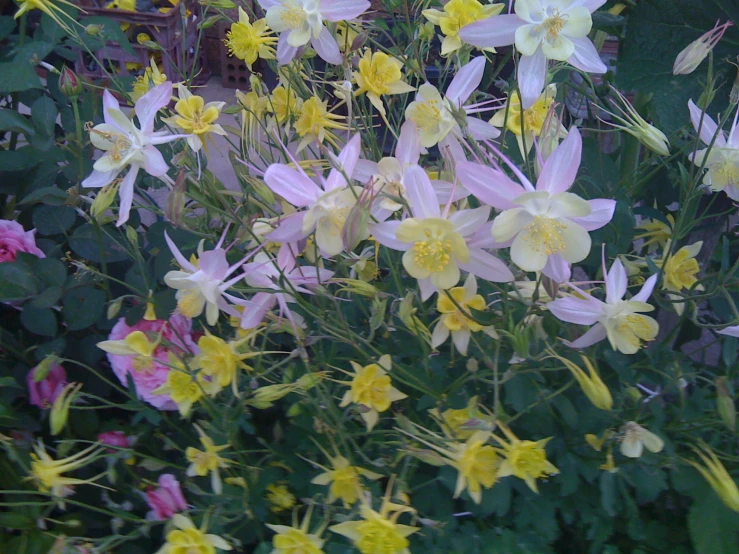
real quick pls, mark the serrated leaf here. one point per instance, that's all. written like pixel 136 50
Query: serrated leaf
pixel 11 120
pixel 95 246
pixel 53 220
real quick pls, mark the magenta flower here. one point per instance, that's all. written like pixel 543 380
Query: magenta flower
pixel 43 393
pixel 14 238
pixel 114 438
pixel 166 500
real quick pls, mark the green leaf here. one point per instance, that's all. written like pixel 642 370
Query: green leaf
pixel 714 528
pixel 7 26
pixel 608 492
pixel 53 196
pixel 40 321
pixel 18 77
pixel 95 246
pixel 111 32
pixel 48 298
pixel 44 113
pixel 22 159
pixel 50 271
pixel 14 520
pixel 17 282
pixel 11 120
pixel 53 220
pixel 83 307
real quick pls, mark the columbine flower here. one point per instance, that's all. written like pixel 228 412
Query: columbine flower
pixel 188 538
pixel 656 233
pixel 221 360
pixel 60 409
pixel 343 479
pixel 284 103
pixel 207 461
pixel 280 498
pixel 284 276
pixel 249 41
pixel 635 438
pixel 679 272
pixel 694 53
pixel 378 531
pixel 378 75
pixel 315 123
pixel 463 423
pixel 372 389
pixel 151 77
pixel 619 320
pixel 48 472
pixel 542 30
pixel 300 22
pixel 328 205
pixel 591 383
pixel 182 386
pixel 297 540
pixel 548 226
pixel 730 331
pixel 455 15
pixel 434 114
pixel 531 121
pixel 437 245
pixel 635 125
pixel 526 460
pixel 50 8
pixel 201 284
pixel 722 161
pixel 715 473
pixel 195 117
pixel 456 322
pixel 125 144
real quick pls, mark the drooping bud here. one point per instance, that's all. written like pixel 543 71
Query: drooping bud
pixel 104 199
pixel 634 124
pixel 176 199
pixel 70 84
pixel 60 408
pixel 114 308
pixel 591 383
pixel 357 222
pixel 725 404
pixel 691 57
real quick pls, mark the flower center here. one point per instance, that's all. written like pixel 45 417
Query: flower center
pixel 635 328
pixel 552 25
pixel 378 536
pixel 294 16
pixel 428 114
pixel 725 174
pixel 545 235
pixel 434 253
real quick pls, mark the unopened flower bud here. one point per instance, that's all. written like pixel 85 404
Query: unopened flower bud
pixel 264 397
pixel 691 57
pixel 93 30
pixel 725 404
pixel 359 41
pixel 69 83
pixel 359 287
pixel 634 124
pixel 357 222
pixel 176 199
pixel 426 31
pixel 114 308
pixel 104 199
pixel 132 236
pixel 60 408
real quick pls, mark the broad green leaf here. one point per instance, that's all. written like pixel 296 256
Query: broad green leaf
pixel 83 306
pixel 47 299
pixel 43 113
pixel 50 271
pixel 714 528
pixel 11 120
pixel 40 321
pixel 111 32
pixel 17 77
pixel 53 220
pixel 18 160
pixel 96 246
pixel 17 281
pixel 7 26
pixel 53 196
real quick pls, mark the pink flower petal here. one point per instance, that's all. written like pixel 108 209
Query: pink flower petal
pixel 342 10
pixel 490 186
pixel 492 32
pixel 421 194
pixel 290 229
pixel 532 75
pixel 150 103
pixel 596 334
pixel 408 149
pixel 708 128
pixel 616 282
pixel 285 52
pixel 586 57
pixel 327 47
pixel 601 214
pixel 292 185
pixel 466 81
pixel 154 163
pixel 125 194
pixel 557 269
pixel 577 310
pixel 486 266
pixel 467 222
pixel 560 169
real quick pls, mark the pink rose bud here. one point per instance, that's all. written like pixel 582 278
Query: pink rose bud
pixel 114 438
pixel 166 500
pixel 69 83
pixel 45 391
pixel 14 239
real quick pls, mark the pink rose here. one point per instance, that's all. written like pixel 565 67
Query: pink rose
pixel 150 374
pixel 166 500
pixel 49 388
pixel 13 239
pixel 114 438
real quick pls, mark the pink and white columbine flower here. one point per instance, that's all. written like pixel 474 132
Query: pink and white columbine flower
pixel 285 277
pixel 326 205
pixel 300 22
pixel 125 144
pixel 387 175
pixel 547 225
pixel 722 161
pixel 622 321
pixel 433 113
pixel 202 285
pixel 542 30
pixel 438 245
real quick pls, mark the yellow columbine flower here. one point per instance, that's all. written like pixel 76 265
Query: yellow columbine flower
pixel 591 383
pixel 477 464
pixel 455 321
pixel 457 14
pixel 50 8
pixel 526 460
pixel 221 360
pixel 655 233
pixel 284 103
pixel 280 498
pixel 679 272
pixel 196 117
pixel 635 438
pixel 531 120
pixel 463 423
pixel 151 77
pixel 378 532
pixel 249 41
pixel 60 407
pixel 48 472
pixel 207 461
pixel 378 75
pixel 315 123
pixel 136 344
pixel 182 386
pixel 371 388
pixel 344 480
pixel 715 473
pixel 297 539
pixel 188 539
